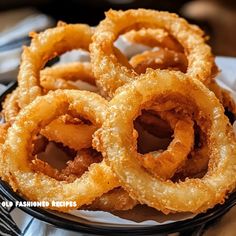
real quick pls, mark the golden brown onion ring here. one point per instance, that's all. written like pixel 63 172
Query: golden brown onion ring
pixel 43 47
pixel 192 195
pixel 16 151
pixel 110 74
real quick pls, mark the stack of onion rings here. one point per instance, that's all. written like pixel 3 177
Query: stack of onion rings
pixel 166 88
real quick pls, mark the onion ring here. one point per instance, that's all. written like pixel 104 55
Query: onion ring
pixel 110 74
pixel 43 47
pixel 96 181
pixel 192 195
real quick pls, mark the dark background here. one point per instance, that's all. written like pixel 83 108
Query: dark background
pixel 216 17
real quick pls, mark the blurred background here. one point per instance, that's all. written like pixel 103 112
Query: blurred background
pixel 18 17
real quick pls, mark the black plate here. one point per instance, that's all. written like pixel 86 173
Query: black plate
pixel 108 229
